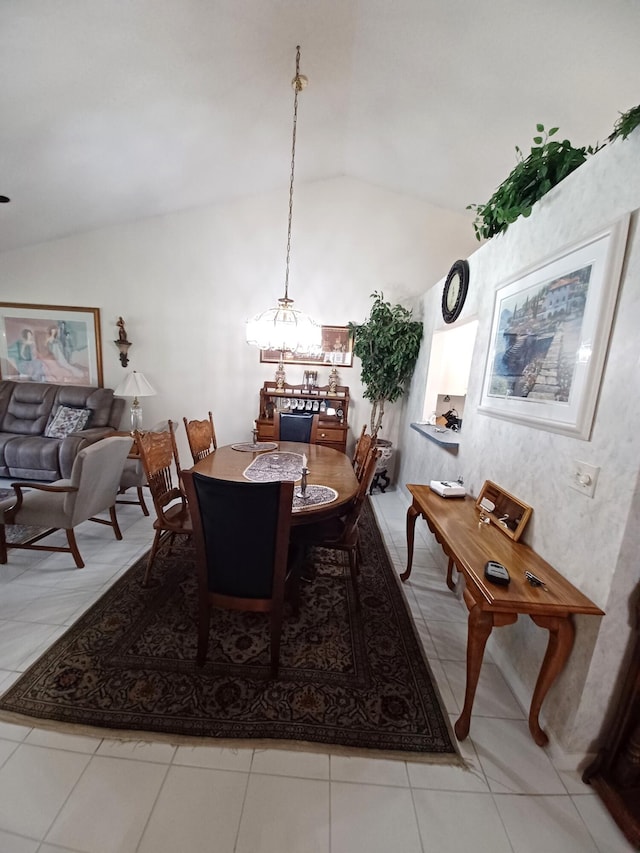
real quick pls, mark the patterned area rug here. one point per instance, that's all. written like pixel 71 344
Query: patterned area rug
pixel 348 678
pixel 19 533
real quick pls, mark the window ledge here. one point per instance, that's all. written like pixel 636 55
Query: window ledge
pixel 444 437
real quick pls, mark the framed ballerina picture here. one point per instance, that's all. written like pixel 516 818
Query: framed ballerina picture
pixel 50 343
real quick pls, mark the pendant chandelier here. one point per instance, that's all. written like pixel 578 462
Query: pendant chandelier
pixel 284 328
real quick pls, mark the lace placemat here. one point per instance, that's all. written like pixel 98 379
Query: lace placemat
pixel 275 466
pixel 314 496
pixel 258 447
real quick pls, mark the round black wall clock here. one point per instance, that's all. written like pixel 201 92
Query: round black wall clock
pixel 454 292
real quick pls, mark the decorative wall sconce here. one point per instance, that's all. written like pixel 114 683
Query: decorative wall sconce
pixel 122 343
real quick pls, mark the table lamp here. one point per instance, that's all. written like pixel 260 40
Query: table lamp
pixel 135 385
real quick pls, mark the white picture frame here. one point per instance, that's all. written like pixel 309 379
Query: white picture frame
pixel 550 333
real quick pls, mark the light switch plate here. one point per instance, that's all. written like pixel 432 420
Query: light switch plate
pixel 583 478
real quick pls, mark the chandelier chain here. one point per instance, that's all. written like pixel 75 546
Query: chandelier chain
pixel 298 85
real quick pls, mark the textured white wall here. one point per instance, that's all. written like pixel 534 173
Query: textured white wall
pixel 586 539
pixel 186 283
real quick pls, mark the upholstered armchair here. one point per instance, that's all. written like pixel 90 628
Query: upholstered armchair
pixel 62 505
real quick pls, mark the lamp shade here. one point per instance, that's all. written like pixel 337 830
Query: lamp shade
pixel 134 385
pixel 286 329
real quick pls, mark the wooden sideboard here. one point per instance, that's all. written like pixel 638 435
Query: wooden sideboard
pixel 615 774
pixel 331 404
pixel 469 543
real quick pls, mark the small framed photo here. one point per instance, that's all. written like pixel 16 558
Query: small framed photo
pixel 550 333
pixel 337 349
pixel 50 343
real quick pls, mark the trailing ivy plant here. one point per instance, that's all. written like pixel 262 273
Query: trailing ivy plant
pixel 626 123
pixel 387 344
pixel 548 162
pixel 546 165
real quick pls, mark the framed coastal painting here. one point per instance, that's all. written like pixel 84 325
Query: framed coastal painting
pixel 50 343
pixel 337 349
pixel 550 333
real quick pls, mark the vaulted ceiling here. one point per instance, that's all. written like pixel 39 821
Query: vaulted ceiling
pixel 116 110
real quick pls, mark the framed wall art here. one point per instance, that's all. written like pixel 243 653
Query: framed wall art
pixel 337 349
pixel 550 333
pixel 50 343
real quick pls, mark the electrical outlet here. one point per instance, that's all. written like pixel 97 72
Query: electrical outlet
pixel 584 477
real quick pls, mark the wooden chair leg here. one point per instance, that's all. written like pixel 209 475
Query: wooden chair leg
pixel 353 566
pixel 172 538
pixel 114 522
pixel 73 547
pixel 141 500
pixel 276 634
pixel 152 556
pixel 358 554
pixel 204 621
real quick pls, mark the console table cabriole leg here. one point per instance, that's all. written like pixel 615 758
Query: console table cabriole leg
pixel 479 627
pixel 412 514
pixel 450 568
pixel 481 623
pixel 561 636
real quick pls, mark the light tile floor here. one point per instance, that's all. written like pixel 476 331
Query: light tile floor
pixel 75 794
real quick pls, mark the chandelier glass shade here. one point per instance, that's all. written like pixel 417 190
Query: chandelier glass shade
pixel 283 327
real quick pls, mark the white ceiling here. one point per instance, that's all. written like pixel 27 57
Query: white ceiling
pixel 115 110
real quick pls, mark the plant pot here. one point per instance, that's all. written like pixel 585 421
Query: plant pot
pixel 381 478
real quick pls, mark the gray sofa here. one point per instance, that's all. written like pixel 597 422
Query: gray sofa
pixel 34 417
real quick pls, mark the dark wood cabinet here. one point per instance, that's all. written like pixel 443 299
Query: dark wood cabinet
pixel 330 403
pixel 615 774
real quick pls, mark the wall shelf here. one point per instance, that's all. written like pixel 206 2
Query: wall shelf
pixel 444 437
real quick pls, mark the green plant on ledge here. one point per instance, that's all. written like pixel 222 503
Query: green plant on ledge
pixel 387 344
pixel 548 162
pixel 626 123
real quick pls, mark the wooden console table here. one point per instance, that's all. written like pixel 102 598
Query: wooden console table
pixel 469 544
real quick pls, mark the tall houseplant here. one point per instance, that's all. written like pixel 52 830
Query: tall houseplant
pixel 387 344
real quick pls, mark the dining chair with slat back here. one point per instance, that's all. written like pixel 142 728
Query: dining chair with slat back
pixel 238 571
pixel 302 427
pixel 342 534
pixel 133 476
pixel 361 451
pixel 158 455
pixel 201 436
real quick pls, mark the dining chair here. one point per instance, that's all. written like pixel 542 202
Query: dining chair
pixel 302 427
pixel 201 436
pixel 64 504
pixel 241 535
pixel 362 448
pixel 159 456
pixel 341 533
pixel 133 475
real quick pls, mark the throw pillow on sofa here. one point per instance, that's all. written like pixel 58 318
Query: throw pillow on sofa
pixel 66 420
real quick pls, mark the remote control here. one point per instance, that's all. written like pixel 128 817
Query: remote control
pixel 496 573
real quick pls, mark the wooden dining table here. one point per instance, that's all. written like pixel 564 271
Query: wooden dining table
pixel 327 467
